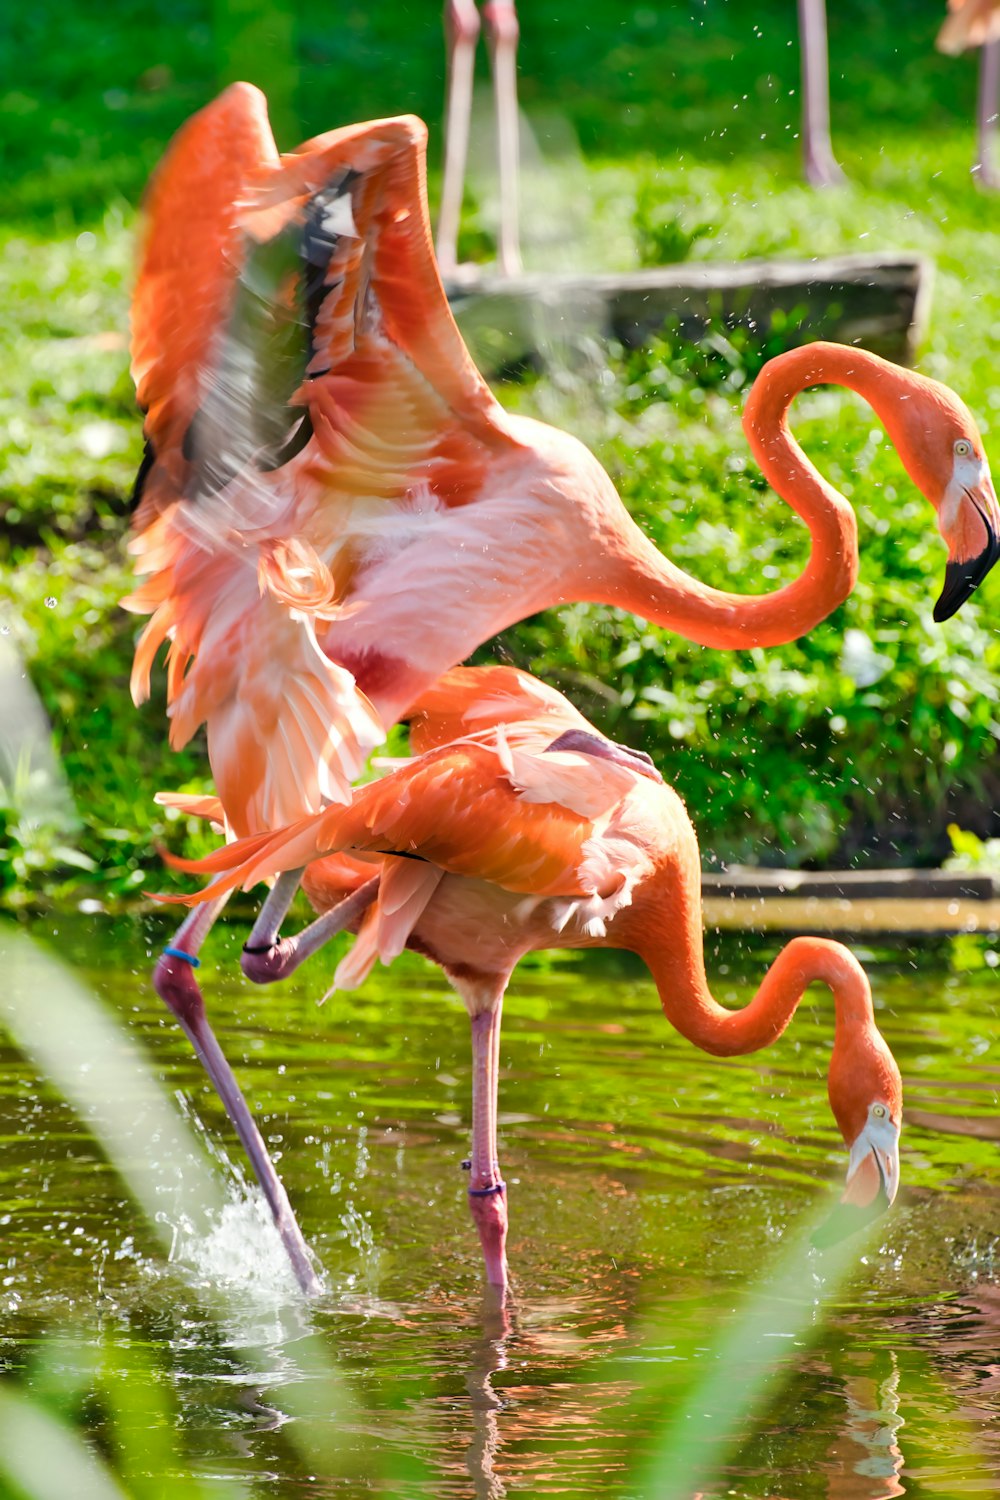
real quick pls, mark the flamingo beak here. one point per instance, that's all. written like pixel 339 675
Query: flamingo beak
pixel 963 576
pixel 872 1181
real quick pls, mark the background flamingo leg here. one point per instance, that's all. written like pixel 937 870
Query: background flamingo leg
pixel 461 25
pixel 986 115
pixel 487 1191
pixel 264 959
pixel 175 983
pixel 821 165
pixel 502 32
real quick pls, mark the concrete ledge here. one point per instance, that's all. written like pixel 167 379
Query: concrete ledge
pixel 880 302
pixel 846 902
pixel 742 883
pixel 792 914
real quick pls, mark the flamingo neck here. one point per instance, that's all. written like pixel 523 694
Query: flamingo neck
pixel 675 956
pixel 647 584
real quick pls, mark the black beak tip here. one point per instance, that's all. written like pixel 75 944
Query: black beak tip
pixel 947 605
pixel 961 579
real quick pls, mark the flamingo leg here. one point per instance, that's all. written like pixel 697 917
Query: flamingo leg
pixel 267 958
pixel 271 915
pixel 986 114
pixel 174 981
pixel 502 33
pixel 487 1190
pixel 461 24
pixel 821 166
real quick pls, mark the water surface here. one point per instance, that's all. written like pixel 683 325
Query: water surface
pixel 669 1333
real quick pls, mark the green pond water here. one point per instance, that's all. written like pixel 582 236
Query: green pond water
pixel 669 1334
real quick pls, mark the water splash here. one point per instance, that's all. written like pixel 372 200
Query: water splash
pixel 241 1250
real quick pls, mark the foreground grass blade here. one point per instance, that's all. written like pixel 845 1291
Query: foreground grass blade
pixel 45 1459
pixel 747 1365
pixel 98 1068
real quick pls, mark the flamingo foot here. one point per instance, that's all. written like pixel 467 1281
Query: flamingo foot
pixel 489 1210
pixel 823 171
pixel 266 957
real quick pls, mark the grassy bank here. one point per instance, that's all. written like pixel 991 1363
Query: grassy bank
pixel 811 752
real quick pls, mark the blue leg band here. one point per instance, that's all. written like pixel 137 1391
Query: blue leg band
pixel 188 958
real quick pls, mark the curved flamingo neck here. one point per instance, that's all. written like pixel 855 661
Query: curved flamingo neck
pixel 665 927
pixel 689 1006
pixel 646 583
pixel 862 1070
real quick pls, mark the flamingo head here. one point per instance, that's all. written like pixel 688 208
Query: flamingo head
pixel 939 443
pixel 969 521
pixel 866 1095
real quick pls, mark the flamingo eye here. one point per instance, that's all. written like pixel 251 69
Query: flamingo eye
pixel 878 1110
pixel 963 448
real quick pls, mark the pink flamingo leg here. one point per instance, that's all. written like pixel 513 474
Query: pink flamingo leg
pixel 487 1190
pixel 176 984
pixel 461 23
pixel 174 981
pixel 267 958
pixel 820 164
pixel 986 115
pixel 502 33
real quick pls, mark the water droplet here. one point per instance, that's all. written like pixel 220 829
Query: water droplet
pixel 50 602
pixel 4 630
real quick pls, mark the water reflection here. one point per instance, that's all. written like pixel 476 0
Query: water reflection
pixel 487 1355
pixel 655 1196
pixel 872 1422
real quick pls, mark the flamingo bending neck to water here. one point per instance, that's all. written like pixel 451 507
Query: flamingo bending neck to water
pixel 532 831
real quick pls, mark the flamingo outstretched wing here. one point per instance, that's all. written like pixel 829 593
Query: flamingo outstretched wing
pixel 304 384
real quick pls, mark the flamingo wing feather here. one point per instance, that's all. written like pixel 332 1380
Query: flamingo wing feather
pixel 190 255
pixel 455 808
pixel 305 388
pixel 467 700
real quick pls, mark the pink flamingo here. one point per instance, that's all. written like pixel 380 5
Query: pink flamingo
pixel 971 23
pixel 529 831
pixel 821 166
pixel 976 23
pixel 334 509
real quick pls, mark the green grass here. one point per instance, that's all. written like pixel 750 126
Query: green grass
pixel 690 110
